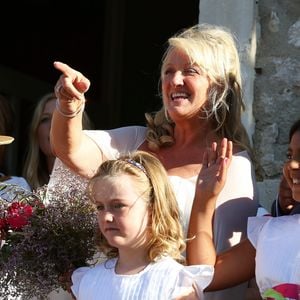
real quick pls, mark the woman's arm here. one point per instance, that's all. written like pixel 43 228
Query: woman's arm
pixel 68 142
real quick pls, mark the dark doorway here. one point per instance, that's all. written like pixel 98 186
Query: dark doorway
pixel 116 44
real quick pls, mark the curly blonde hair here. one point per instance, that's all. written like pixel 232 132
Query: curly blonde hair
pixel 165 230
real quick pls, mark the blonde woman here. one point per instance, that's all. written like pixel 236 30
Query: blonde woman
pixel 40 159
pixel 201 90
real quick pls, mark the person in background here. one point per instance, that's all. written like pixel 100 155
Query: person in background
pixel 284 204
pixel 201 90
pixel 272 248
pixel 39 158
pixel 140 234
pixel 7 130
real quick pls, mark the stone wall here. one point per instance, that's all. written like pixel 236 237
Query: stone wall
pixel 276 102
pixel 269 36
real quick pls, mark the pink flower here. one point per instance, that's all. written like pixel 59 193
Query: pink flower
pixel 18 215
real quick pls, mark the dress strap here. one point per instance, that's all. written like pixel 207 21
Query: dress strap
pixel 283 291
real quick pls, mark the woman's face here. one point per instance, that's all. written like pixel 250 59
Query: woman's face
pixel 184 86
pixel 292 166
pixel 43 131
pixel 122 213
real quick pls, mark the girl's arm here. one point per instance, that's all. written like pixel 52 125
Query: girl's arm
pixel 200 247
pixel 234 266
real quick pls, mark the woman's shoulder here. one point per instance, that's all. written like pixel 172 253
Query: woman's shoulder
pixel 112 142
pixel 122 130
pixel 241 159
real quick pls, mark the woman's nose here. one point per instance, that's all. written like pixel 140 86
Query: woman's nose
pixel 178 78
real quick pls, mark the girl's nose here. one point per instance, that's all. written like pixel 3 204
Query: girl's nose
pixel 107 216
pixel 294 163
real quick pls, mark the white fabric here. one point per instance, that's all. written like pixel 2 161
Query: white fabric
pixel 277 246
pixel 164 279
pixel 20 181
pixel 237 201
pixel 14 180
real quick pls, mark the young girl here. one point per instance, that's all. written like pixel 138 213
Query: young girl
pixel 272 250
pixel 141 235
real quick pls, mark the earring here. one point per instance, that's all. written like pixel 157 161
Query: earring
pixel 167 116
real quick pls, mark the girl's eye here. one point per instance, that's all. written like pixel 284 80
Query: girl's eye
pixel 118 206
pixel 100 207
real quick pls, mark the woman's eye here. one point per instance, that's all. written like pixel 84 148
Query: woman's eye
pixel 45 119
pixel 167 71
pixel 192 71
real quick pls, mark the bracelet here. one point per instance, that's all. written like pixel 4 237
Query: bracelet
pixel 70 115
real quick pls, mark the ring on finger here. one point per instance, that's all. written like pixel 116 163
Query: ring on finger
pixel 58 89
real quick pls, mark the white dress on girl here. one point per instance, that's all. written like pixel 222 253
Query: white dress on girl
pixel 277 244
pixel 164 279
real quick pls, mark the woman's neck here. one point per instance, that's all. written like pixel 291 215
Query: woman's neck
pixel 194 133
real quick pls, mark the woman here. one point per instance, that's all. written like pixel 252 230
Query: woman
pixel 202 102
pixel 40 159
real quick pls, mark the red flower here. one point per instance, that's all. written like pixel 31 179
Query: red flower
pixel 3 224
pixel 18 215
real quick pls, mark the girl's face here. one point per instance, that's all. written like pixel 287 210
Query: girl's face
pixel 292 166
pixel 184 86
pixel 43 132
pixel 122 213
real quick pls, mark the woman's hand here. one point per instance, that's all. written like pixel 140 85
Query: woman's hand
pixel 70 87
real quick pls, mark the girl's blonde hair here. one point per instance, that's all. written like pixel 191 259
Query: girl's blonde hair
pixel 150 177
pixel 213 49
pixel 35 168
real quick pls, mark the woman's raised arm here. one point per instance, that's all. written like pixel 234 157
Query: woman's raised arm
pixel 68 141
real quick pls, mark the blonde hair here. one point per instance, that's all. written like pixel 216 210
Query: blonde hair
pixel 166 236
pixel 35 168
pixel 213 49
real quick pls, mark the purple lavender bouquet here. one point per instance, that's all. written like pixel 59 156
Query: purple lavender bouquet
pixel 42 239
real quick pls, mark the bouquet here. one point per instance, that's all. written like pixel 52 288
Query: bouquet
pixel 43 238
